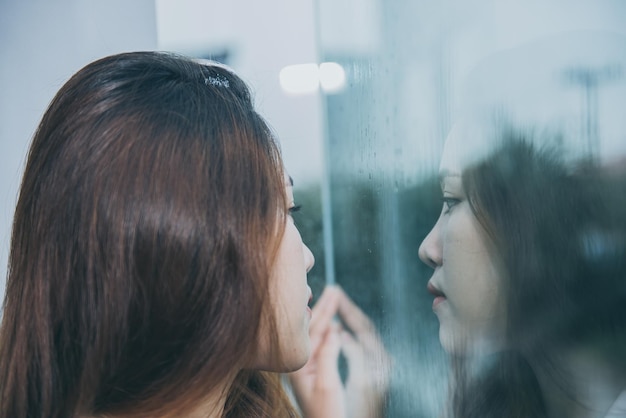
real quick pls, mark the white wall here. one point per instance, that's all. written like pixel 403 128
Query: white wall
pixel 42 43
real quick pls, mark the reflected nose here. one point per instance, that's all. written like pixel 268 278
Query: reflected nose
pixel 430 251
pixel 309 258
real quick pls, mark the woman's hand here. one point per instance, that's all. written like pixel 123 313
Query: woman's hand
pixel 318 387
pixel 368 362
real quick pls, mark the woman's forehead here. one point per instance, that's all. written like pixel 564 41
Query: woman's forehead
pixel 449 178
pixel 469 142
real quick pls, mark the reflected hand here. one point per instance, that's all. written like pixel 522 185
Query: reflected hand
pixel 318 387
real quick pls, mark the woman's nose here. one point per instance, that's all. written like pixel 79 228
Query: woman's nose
pixel 309 258
pixel 430 251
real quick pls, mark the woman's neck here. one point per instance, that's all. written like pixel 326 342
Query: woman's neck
pixel 579 383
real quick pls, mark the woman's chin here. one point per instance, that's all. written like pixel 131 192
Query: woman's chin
pixel 289 362
pixel 459 344
pixel 298 361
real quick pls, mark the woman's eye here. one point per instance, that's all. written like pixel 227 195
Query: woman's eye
pixel 449 203
pixel 292 210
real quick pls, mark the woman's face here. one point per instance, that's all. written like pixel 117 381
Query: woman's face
pixel 467 277
pixel 291 294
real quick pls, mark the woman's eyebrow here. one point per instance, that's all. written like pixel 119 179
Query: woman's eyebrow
pixel 444 174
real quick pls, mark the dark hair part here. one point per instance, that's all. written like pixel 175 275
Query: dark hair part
pixel 562 244
pixel 147 221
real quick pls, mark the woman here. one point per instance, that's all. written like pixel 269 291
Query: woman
pixel 528 280
pixel 155 270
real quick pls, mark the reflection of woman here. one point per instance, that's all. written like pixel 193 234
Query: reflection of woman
pixel 529 283
pixel 155 270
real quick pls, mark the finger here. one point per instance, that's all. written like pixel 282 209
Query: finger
pixel 327 359
pixel 321 350
pixel 365 334
pixel 322 322
pixel 324 311
pixel 356 320
pixel 355 357
pixel 368 373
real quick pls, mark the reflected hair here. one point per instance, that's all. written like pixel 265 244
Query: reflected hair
pixel 560 239
pixel 148 218
pixel 539 214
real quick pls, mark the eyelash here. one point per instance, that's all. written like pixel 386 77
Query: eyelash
pixel 295 209
pixel 450 202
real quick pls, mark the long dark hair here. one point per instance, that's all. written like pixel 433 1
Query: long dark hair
pixel 147 221
pixel 544 218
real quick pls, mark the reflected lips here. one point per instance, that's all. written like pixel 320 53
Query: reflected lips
pixel 440 297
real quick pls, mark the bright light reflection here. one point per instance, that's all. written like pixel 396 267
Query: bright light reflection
pixel 307 78
pixel 332 77
pixel 300 79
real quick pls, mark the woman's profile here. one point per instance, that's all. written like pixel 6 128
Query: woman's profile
pixel 155 270
pixel 528 279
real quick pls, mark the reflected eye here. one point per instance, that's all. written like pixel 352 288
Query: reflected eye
pixel 449 203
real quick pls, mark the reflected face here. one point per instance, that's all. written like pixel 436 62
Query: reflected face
pixel 466 283
pixel 291 294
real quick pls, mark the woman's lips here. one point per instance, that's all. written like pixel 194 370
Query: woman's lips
pixel 440 297
pixel 308 305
